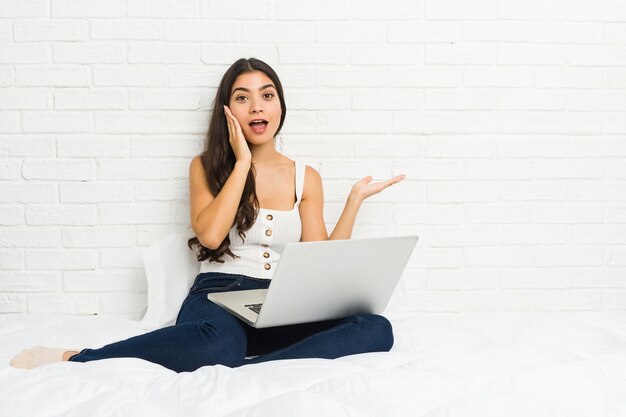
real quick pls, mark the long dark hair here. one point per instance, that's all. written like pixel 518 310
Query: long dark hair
pixel 218 158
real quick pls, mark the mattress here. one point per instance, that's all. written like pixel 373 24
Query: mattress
pixel 472 364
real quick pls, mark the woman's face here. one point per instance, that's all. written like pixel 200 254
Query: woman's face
pixel 254 96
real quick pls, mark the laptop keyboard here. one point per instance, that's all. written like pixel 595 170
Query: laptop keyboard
pixel 254 307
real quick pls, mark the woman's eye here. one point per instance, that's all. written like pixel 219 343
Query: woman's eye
pixel 266 94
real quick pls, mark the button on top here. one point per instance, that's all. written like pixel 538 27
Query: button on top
pixel 269 217
pixel 266 255
pixel 268 266
pixel 268 232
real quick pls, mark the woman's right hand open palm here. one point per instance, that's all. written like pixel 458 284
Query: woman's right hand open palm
pixel 236 138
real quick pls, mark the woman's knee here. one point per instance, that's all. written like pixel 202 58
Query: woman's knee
pixel 226 345
pixel 379 330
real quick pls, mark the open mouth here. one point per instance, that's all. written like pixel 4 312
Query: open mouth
pixel 258 126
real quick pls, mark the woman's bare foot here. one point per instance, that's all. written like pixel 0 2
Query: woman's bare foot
pixel 39 355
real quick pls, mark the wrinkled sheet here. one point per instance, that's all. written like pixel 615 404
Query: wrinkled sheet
pixel 473 364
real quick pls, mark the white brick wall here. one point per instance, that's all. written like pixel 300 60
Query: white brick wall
pixel 508 117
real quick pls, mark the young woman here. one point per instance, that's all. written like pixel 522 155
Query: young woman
pixel 242 193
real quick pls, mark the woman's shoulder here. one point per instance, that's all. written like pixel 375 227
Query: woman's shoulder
pixel 312 183
pixel 195 166
pixel 298 162
pixel 196 162
pixel 312 187
pixel 310 174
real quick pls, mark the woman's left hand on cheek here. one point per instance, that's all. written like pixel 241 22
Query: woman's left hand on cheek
pixel 365 189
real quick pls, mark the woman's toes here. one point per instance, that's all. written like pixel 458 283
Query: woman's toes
pixel 22 360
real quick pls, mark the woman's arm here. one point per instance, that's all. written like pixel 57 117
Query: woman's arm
pixel 212 217
pixel 312 206
pixel 343 228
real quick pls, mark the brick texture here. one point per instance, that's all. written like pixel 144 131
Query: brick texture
pixel 508 118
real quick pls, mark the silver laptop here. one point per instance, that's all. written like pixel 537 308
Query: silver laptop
pixel 324 280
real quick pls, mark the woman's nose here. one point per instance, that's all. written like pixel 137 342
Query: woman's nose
pixel 256 105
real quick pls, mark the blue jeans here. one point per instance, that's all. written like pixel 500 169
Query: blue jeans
pixel 206 334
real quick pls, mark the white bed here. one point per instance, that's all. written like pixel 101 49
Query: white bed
pixel 475 364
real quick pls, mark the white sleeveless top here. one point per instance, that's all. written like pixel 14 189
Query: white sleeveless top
pixel 265 240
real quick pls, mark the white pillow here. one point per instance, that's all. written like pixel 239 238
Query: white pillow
pixel 171 268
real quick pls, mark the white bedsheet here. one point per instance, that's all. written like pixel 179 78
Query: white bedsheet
pixel 475 364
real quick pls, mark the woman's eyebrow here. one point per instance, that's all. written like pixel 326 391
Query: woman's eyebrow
pixel 260 88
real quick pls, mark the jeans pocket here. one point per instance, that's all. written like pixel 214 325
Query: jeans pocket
pixel 215 284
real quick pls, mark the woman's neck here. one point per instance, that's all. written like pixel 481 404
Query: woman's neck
pixel 265 154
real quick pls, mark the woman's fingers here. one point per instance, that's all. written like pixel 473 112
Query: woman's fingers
pixel 234 123
pixel 367 188
pixel 232 132
pixel 394 180
pixel 391 181
pixel 238 128
pixel 236 137
pixel 229 123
